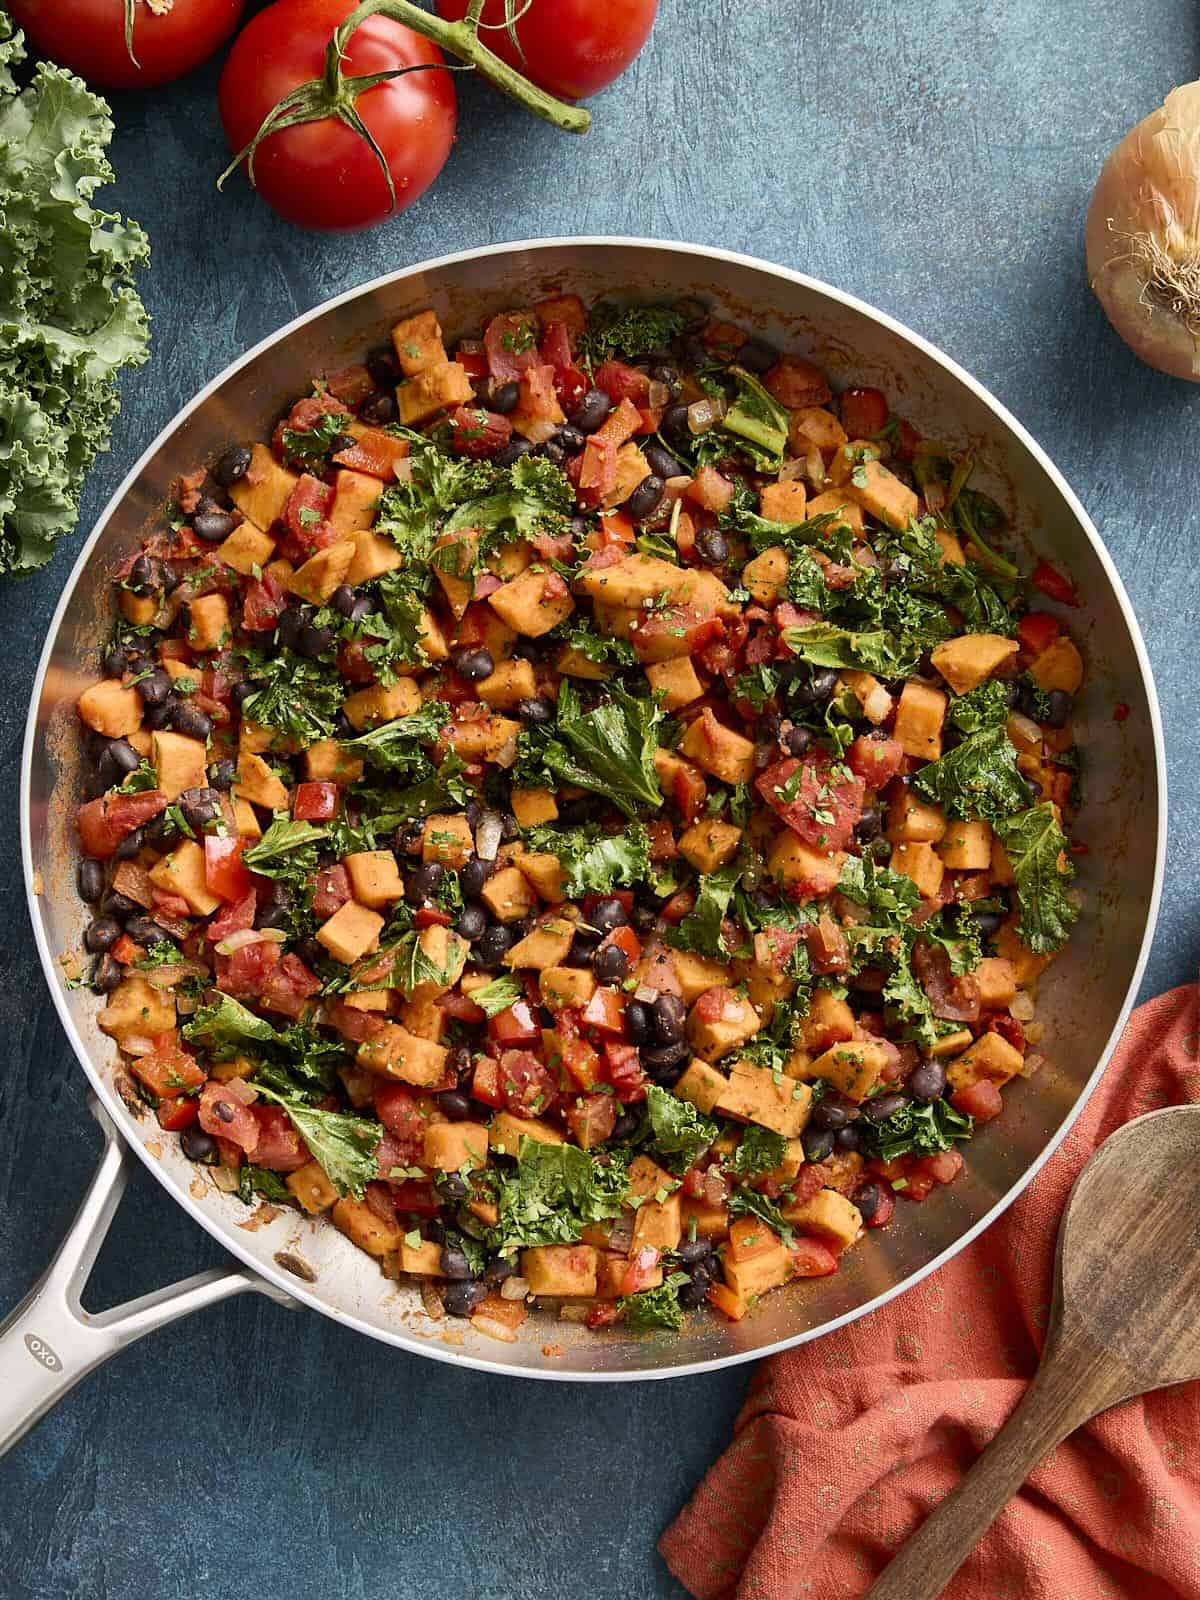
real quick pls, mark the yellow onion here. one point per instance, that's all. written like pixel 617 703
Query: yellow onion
pixel 1143 236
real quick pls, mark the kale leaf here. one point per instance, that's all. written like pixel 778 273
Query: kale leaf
pixel 498 995
pixel 287 850
pixel 759 1150
pixel 595 862
pixel 396 745
pixel 757 420
pixel 978 778
pixel 700 930
pixel 609 751
pixel 679 1133
pixel 628 331
pixel 343 1145
pixel 915 1130
pixel 985 706
pixel 555 1192
pixel 656 1308
pixel 1035 844
pixel 295 697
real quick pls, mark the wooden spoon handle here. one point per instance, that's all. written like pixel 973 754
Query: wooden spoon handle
pixel 1045 1415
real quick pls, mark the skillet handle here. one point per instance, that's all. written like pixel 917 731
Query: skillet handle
pixel 49 1342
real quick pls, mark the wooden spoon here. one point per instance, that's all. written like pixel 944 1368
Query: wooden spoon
pixel 1127 1282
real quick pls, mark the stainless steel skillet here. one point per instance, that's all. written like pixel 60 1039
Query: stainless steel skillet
pixel 48 1344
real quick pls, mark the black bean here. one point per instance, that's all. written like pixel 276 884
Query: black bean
pixel 989 923
pixel 424 882
pixel 145 576
pixel 570 438
pixel 764 755
pixel 817 1142
pixel 797 740
pixel 453 1104
pixel 670 1016
pixel 242 690
pixel 712 546
pixel 693 1250
pixel 107 975
pixel 384 366
pixel 154 687
pixel 499 1268
pixel 119 906
pixel 222 773
pixel 883 1107
pixel 927 1081
pixel 451 1186
pixel 492 948
pixel 101 934
pixel 232 466
pixel 625 1126
pixel 591 411
pixel 638 1022
pixel 610 964
pixel 663 372
pixel 117 761
pixel 512 452
pixel 342 599
pixel 200 806
pixel 820 690
pixel 847 1139
pixel 584 808
pixel 313 641
pixel 644 918
pixel 608 914
pixel 461 1296
pixel 311 952
pixel 89 880
pixel 379 408
pixel 171 576
pixel 160 832
pixel 189 720
pixel 645 499
pixel 665 1056
pixel 198 1145
pixel 583 948
pixel 214 527
pixel 553 451
pixel 224 1110
pixel 829 1115
pixel 471 923
pixel 157 717
pixel 436 1230
pixel 473 665
pixel 869 825
pixel 757 356
pixel 144 931
pixel 459 1061
pixel 116 662
pixel 474 874
pixel 1059 706
pixel 505 397
pixel 288 626
pixel 674 427
pixel 273 914
pixel 663 464
pixel 868 1200
pixel 454 1263
pixel 535 713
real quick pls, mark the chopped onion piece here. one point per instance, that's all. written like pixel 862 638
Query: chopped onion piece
pixel 657 395
pixel 238 1089
pixel 514 1289
pixel 432 1301
pixel 573 1312
pixel 167 977
pixel 538 432
pixel 673 489
pixel 646 994
pixel 1024 733
pixel 1023 1006
pixel 403 470
pixel 245 936
pixel 620 1235
pixel 225 1178
pixel 793 467
pixel 705 413
pixel 137 1044
pixel 488 835
pixel 1032 1064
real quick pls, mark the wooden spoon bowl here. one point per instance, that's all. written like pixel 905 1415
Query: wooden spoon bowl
pixel 1127 1285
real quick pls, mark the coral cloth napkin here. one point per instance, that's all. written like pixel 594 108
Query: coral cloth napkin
pixel 845 1444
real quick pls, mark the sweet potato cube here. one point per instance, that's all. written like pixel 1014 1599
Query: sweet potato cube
pixel 446 952
pixel 1060 666
pixel 265 490
pixel 373 554
pixel 712 1222
pixel 448 840
pixel 375 879
pixel 560 987
pixel 835 503
pixel 794 863
pixel 182 873
pixel 990 1057
pixel 545 947
pixel 911 820
pixel 882 495
pixel 258 783
pixel 727 755
pixel 560 1269
pixel 355 506
pixel 531 806
pixel 815 425
pixel 393 1052
pixel 544 872
pixel 997 983
pixel 922 864
pixel 421 1015
pixel 783 502
pixel 327 762
pixel 967 661
pixel 828 1020
pixel 111 709
pixel 531 603
pixel 752 1095
pixel 369 707
pixel 246 548
pixel 321 574
pixel 828 1215
pixel 647 1179
pixel 137 1007
pixel 509 895
pixel 1026 963
pixel 140 609
pixel 245 820
pixel 632 467
pixel 697 973
pixel 366 1228
pixel 483 738
pixel 180 763
pixel 437 387
pixel 766 1270
pixel 450 1146
pixel 505 1133
pixel 919 719
pixel 854 1068
pixel 351 932
pixel 210 626
pixel 311 1189
pixel 423 1259
pixel 572 663
pixel 659 1223
pixel 511 682
pixel 368 1000
pixel 737 1022
pixel 702 1085
pixel 417 341
pixel 949 1044
pixel 610 1275
pixel 676 681
pixel 966 846
pixel 874 699
pixel 708 845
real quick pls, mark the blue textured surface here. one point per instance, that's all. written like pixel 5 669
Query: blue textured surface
pixel 932 156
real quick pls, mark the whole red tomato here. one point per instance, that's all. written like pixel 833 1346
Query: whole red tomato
pixel 89 37
pixel 572 48
pixel 323 174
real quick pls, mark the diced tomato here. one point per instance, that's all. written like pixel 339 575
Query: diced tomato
pixel 477 432
pixel 1054 584
pixel 412 1197
pixel 511 344
pixel 625 940
pixel 811 1258
pixel 818 803
pixel 280 1147
pixel 244 973
pixel 605 1011
pixel 602 1314
pixel 592 1118
pixel 641 1271
pixel 864 412
pixel 460 1006
pixel 352 661
pixel 907 440
pixel 352 1023
pixel 288 987
pixel 169 1069
pixel 126 952
pixel 398 1110
pixel 226 1118
pixel 225 874
pixel 516 1025
pixel 1009 1029
pixel 538 402
pixel 375 453
pixel 103 823
pixel 622 422
pixel 597 471
pixel 796 383
pixel 622 382
pixel 917 1187
pixel 689 791
pixel 472 361
pixel 331 892
pixel 526 1087
pixel 315 802
pixel 1120 712
pixel 624 1070
pixel 579 1060
pixel 485 1082
pixel 431 917
pixel 178 1113
pixel 175 650
pixel 233 918
pixel 651 418
pixel 570 384
pixel 780 943
pixel 955 999
pixel 1037 631
pixel 884 1211
pixel 686 623
pixel 351 385
pixel 308 505
pixel 710 490
pixel 942 1167
pixel 875 761
pixel 678 906
pixel 170 905
pixel 614 529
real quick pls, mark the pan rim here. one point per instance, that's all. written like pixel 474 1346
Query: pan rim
pixel 226 1233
